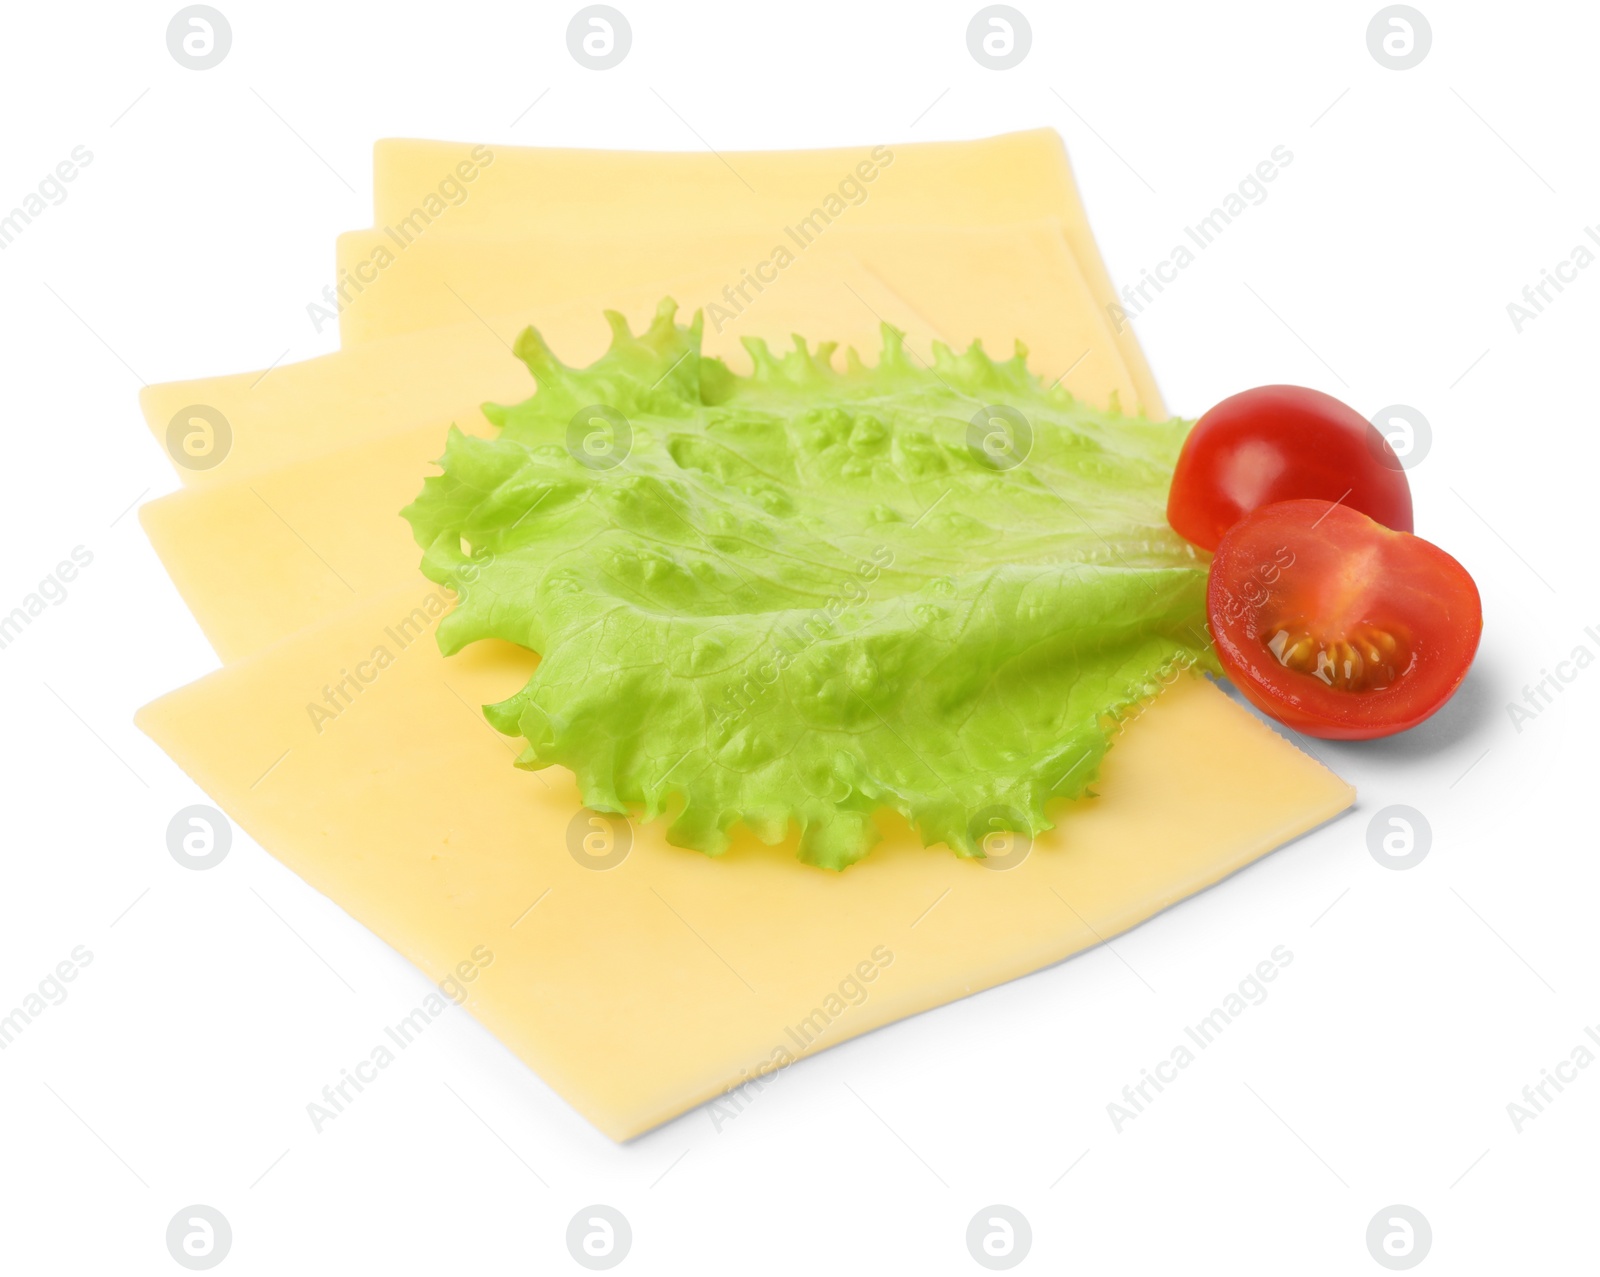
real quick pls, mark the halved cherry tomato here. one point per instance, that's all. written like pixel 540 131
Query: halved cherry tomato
pixel 1283 443
pixel 1339 626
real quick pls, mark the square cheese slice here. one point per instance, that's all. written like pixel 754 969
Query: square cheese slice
pixel 420 187
pixel 639 990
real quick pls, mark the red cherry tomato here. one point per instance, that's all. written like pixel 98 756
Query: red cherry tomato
pixel 1339 626
pixel 1283 443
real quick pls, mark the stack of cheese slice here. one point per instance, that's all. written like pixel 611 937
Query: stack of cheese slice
pixel 347 746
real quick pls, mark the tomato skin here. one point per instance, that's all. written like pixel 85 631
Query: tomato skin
pixel 1283 443
pixel 1329 575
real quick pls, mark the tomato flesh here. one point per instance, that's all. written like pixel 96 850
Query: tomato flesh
pixel 1283 443
pixel 1338 626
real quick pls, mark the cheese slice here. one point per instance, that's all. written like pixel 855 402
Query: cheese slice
pixel 641 990
pixel 321 405
pixel 992 284
pixel 1016 177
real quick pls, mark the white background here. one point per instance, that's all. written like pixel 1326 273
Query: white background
pixel 1419 1003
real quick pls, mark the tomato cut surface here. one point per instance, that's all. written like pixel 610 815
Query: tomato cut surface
pixel 1283 443
pixel 1336 625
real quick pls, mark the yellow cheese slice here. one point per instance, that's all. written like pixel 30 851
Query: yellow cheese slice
pixel 641 990
pixel 420 188
pixel 321 405
pixel 990 283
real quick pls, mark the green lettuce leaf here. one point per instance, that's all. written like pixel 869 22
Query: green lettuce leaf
pixel 793 598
